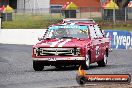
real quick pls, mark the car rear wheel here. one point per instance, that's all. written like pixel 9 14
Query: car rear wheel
pixel 86 64
pixel 103 62
pixel 38 66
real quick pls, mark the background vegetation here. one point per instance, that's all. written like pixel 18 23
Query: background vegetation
pixel 43 21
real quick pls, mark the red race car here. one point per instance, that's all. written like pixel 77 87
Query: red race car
pixel 67 44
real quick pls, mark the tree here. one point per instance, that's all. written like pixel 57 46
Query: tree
pixel 122 3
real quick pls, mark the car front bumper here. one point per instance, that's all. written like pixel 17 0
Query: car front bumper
pixel 58 58
pixel 60 61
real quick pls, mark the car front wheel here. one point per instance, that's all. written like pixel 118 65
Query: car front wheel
pixel 86 64
pixel 38 66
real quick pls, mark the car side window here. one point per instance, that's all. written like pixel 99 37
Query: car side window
pixel 92 32
pixel 95 31
pixel 98 31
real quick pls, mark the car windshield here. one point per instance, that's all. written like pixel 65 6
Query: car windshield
pixel 67 31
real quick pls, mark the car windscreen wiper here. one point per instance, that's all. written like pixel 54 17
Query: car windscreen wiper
pixel 67 37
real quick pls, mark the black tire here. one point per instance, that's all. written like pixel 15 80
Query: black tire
pixel 103 62
pixel 38 66
pixel 86 64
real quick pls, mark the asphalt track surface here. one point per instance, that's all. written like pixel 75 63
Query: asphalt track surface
pixel 16 69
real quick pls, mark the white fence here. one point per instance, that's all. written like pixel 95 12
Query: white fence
pixel 20 36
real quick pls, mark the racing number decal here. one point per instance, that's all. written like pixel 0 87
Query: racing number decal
pixel 97 51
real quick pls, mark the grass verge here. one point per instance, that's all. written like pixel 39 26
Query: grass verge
pixel 30 22
pixel 43 21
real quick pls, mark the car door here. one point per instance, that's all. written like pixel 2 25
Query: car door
pixel 95 46
pixel 100 39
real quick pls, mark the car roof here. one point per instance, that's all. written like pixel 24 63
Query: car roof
pixel 78 20
pixel 75 23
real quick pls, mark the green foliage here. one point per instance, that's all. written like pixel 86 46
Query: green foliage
pixel 30 22
pixel 109 25
pixel 43 21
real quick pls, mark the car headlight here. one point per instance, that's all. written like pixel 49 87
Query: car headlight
pixel 37 51
pixel 76 51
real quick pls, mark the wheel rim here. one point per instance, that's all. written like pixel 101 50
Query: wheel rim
pixel 87 61
pixel 105 59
